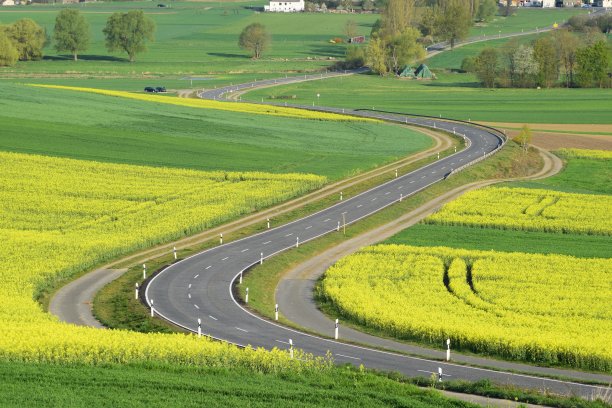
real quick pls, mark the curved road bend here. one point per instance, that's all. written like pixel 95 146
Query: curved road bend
pixel 200 287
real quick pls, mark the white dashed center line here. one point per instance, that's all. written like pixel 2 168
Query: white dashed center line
pixel 225 258
pixel 214 318
pixel 238 328
pixel 189 295
pixel 208 267
pixel 267 242
pixel 288 235
pixel 308 227
pixel 374 199
pixel 196 277
pixel 244 250
pixel 387 193
pixel 360 205
pixel 353 358
pixel 327 220
pixel 196 306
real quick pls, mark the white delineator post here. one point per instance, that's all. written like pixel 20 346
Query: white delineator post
pixel 291 348
pixel 338 227
pixel 276 312
pixel 336 330
pixel 152 309
pixel 341 196
pixel 136 292
pixel 240 278
pixel 297 242
pixel 447 349
pixel 268 223
pixel 144 271
pixel 438 155
pixel 221 239
pixel 199 327
pixel 455 149
pixel 246 297
pixel 401 196
pixel 395 173
pixel 261 258
pixel 439 374
pixel 174 252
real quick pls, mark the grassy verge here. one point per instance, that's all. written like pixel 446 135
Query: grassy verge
pixel 115 305
pixel 263 280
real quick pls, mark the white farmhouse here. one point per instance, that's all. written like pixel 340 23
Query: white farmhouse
pixel 285 6
pixel 7 2
pixel 549 3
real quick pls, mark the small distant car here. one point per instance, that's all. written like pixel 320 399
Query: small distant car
pixel 150 89
pixel 160 89
pixel 162 5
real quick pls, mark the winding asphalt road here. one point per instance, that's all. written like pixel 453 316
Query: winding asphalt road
pixel 200 287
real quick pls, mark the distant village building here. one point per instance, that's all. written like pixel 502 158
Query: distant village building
pixel 604 3
pixel 7 2
pixel 286 6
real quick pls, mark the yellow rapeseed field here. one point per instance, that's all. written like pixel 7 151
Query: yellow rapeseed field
pixel 252 108
pixel 541 308
pixel 61 216
pixel 586 154
pixel 530 210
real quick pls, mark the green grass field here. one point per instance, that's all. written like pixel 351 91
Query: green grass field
pixel 525 18
pixel 455 96
pixel 586 246
pixel 103 128
pixel 579 176
pixel 87 386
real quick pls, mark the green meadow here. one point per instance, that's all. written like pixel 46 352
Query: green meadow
pixel 145 386
pixel 456 96
pixel 103 128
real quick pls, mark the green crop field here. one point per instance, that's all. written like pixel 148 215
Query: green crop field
pixel 455 96
pixel 525 18
pixel 104 128
pixel 163 386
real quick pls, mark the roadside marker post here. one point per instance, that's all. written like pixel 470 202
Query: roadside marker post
pixel 344 223
pixel 447 349
pixel 268 223
pixel 455 149
pixel 338 227
pixel 439 374
pixel 240 279
pixel 144 271
pixel 438 155
pixel 152 309
pixel 136 292
pixel 297 242
pixel 401 196
pixel 341 196
pixel 199 327
pixel 174 252
pixel 336 330
pixel 246 298
pixel 291 348
pixel 395 173
pixel 221 239
pixel 276 312
pixel 261 258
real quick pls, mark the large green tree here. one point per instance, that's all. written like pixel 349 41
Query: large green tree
pixel 545 54
pixel 8 52
pixel 567 45
pixel 397 16
pixel 486 66
pixel 403 49
pixel 592 63
pixel 452 20
pixel 71 32
pixel 254 38
pixel 376 56
pixel 28 37
pixel 129 32
pixel 486 10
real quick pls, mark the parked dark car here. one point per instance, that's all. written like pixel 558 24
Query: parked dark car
pixel 160 89
pixel 150 89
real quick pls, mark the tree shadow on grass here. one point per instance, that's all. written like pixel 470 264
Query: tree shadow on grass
pixel 85 57
pixel 228 55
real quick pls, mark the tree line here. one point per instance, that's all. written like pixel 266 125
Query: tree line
pixel 561 58
pixel 24 40
pixel 399 37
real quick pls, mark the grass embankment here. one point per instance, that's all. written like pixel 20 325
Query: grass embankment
pixel 263 280
pixel 115 305
pixel 156 134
